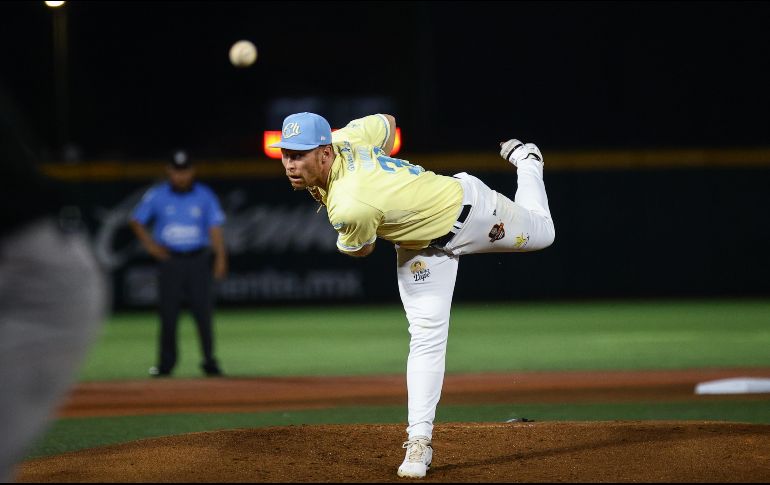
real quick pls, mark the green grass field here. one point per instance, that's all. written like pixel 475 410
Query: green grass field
pixel 483 337
pixel 493 337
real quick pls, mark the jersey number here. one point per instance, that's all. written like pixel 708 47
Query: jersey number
pixel 386 162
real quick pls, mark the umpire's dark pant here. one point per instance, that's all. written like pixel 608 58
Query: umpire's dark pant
pixel 186 276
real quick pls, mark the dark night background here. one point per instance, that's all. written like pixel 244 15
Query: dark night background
pixel 574 77
pixel 144 77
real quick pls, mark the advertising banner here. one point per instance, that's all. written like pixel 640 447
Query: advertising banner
pixel 653 233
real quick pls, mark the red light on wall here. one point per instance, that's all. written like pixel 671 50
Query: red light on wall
pixel 396 142
pixel 270 137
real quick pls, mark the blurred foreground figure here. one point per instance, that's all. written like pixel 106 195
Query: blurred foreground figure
pixel 52 295
pixel 432 220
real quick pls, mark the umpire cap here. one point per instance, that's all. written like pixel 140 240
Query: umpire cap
pixel 180 159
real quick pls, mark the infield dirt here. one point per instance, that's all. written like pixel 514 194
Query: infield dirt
pixel 628 451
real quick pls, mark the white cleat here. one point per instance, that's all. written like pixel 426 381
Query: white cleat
pixel 419 455
pixel 515 151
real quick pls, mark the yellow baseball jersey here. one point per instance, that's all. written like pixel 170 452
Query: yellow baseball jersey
pixel 373 195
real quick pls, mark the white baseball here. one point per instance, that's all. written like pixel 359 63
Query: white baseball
pixel 243 53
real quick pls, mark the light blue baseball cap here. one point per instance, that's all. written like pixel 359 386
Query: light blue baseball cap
pixel 304 131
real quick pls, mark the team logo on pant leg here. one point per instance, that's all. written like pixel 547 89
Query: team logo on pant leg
pixel 497 232
pixel 419 271
pixel 521 241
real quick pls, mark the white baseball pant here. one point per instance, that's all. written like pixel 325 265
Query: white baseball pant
pixel 426 277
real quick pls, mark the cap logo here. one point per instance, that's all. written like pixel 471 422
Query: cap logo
pixel 291 129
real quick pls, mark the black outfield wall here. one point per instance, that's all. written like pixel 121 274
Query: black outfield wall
pixel 639 233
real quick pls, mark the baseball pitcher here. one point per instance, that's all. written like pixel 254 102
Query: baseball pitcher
pixel 431 219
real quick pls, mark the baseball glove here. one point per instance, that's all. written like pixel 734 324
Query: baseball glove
pixel 317 194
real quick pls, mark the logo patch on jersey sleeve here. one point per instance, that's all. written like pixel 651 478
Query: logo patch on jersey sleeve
pixel 365 157
pixel 338 225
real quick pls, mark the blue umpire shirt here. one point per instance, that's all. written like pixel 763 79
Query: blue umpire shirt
pixel 181 219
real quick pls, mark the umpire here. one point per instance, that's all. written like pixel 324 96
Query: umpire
pixel 187 228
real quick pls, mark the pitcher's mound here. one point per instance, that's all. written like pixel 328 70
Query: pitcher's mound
pixel 637 451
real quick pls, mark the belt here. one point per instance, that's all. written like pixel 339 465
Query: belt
pixel 442 241
pixel 187 254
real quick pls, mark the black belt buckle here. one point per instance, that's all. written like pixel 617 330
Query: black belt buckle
pixel 442 241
